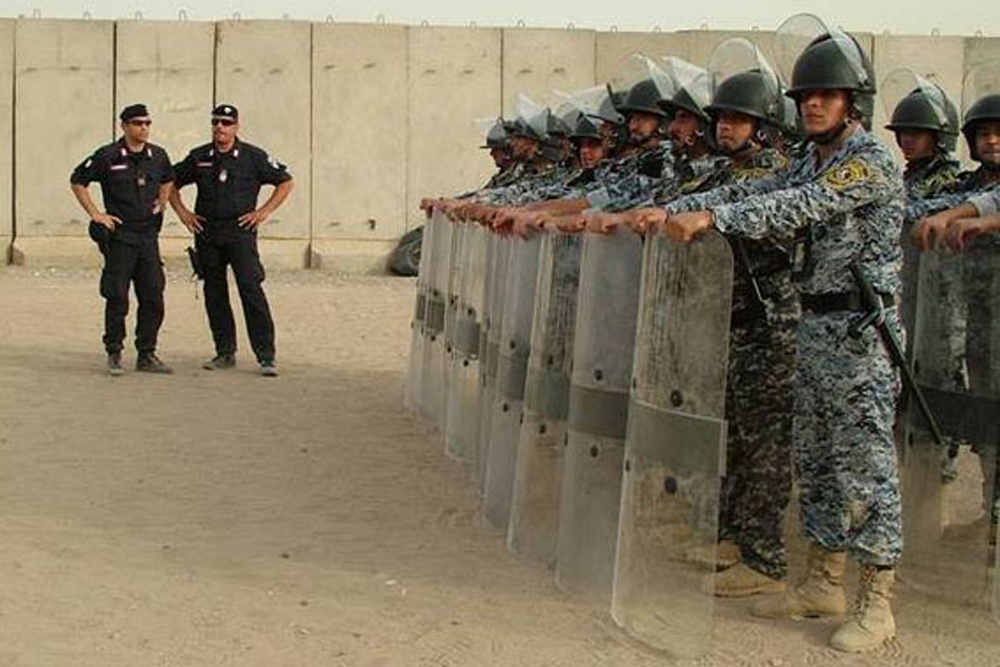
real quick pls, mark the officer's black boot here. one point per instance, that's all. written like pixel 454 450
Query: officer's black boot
pixel 220 362
pixel 148 362
pixel 115 364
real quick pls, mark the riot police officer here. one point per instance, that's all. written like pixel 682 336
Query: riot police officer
pixel 229 173
pixel 135 178
pixel 842 204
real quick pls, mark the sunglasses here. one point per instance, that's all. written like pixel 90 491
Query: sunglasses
pixel 140 123
pixel 224 122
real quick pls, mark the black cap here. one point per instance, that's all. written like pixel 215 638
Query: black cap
pixel 226 111
pixel 133 111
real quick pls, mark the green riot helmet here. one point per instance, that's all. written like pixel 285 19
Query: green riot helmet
pixel 496 137
pixel 830 60
pixel 643 97
pixel 836 62
pixel 607 111
pixel 556 126
pixel 980 100
pixel 692 88
pixel 748 94
pixel 918 104
pixel 984 109
pixel 587 128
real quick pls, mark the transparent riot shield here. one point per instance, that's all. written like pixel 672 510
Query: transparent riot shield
pixel 463 388
pixel 675 447
pixel 534 514
pixel 607 303
pixel 512 370
pixel 497 257
pixel 414 374
pixel 950 536
pixel 432 392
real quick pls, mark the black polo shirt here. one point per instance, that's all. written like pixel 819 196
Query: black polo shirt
pixel 228 183
pixel 130 182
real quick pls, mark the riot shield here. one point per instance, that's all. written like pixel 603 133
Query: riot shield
pixel 432 392
pixel 675 446
pixel 950 529
pixel 497 256
pixel 512 370
pixel 534 514
pixel 463 387
pixel 416 364
pixel 607 304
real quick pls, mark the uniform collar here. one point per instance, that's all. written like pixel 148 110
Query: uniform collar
pixel 123 151
pixel 233 152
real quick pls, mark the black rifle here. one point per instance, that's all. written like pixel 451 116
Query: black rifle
pixel 875 316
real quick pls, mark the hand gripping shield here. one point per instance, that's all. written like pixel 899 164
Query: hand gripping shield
pixel 512 371
pixel 432 391
pixel 951 548
pixel 534 518
pixel 463 386
pixel 675 448
pixel 607 304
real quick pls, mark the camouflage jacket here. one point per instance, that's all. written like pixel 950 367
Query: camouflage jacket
pixel 928 178
pixel 758 258
pixel 964 188
pixel 846 209
pixel 632 181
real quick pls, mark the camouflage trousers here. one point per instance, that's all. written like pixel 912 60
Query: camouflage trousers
pixel 758 482
pixel 843 453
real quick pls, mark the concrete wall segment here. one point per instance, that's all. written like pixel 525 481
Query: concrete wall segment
pixel 264 69
pixel 538 61
pixel 64 110
pixel 169 66
pixel 454 79
pixel 360 111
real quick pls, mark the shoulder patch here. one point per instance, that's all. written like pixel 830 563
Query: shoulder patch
pixel 275 164
pixel 845 175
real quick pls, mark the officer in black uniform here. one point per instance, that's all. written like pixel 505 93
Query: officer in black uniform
pixel 229 173
pixel 135 178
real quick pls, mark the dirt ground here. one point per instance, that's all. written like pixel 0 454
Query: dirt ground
pixel 228 519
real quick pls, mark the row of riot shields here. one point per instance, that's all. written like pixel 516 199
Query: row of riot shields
pixel 581 381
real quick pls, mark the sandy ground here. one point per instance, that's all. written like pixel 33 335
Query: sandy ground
pixel 228 519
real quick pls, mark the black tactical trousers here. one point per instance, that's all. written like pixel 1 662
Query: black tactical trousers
pixel 133 261
pixel 217 250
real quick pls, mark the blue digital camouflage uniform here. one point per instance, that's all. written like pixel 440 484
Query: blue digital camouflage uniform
pixel 847 210
pixel 631 181
pixel 923 179
pixel 758 482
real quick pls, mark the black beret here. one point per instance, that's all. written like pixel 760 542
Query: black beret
pixel 226 111
pixel 133 111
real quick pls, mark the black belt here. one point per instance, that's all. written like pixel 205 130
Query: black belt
pixel 840 301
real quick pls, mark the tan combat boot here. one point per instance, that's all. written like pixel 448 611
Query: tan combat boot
pixel 821 593
pixel 741 581
pixel 721 556
pixel 871 623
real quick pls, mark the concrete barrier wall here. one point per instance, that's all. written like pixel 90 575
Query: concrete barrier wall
pixel 63 110
pixel 169 66
pixel 6 130
pixel 264 68
pixel 369 117
pixel 536 62
pixel 454 79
